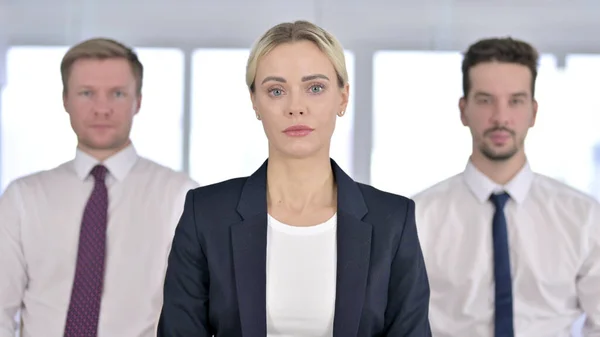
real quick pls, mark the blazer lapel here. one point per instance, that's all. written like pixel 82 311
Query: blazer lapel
pixel 354 248
pixel 249 239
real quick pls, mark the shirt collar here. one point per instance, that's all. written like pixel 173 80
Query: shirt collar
pixel 118 165
pixel 482 186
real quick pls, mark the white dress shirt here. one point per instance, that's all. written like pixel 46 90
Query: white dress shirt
pixel 40 218
pixel 301 279
pixel 554 239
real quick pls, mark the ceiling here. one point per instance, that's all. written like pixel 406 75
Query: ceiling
pixel 558 26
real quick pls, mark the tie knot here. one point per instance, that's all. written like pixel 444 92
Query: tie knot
pixel 500 199
pixel 99 173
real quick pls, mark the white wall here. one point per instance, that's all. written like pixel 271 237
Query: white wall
pixel 552 25
pixel 3 44
pixel 3 49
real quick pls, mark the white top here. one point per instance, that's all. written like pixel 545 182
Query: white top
pixel 554 237
pixel 301 279
pixel 40 218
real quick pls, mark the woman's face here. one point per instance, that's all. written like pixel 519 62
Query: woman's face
pixel 297 97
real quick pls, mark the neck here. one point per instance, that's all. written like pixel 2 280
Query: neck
pixel 102 154
pixel 500 172
pixel 298 184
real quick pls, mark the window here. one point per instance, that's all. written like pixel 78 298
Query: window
pixel 158 128
pixel 576 129
pixel 564 144
pixel 541 137
pixel 226 139
pixel 418 137
pixel 35 129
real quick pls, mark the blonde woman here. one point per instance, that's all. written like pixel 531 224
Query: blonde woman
pixel 298 248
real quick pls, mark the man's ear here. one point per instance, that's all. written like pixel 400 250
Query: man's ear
pixel 462 104
pixel 64 100
pixel 138 104
pixel 535 110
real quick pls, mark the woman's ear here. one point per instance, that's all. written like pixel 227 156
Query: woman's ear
pixel 253 100
pixel 345 97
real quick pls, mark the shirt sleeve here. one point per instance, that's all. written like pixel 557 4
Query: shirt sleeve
pixel 588 280
pixel 13 275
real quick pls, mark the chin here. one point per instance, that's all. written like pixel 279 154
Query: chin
pixel 300 151
pixel 499 155
pixel 103 144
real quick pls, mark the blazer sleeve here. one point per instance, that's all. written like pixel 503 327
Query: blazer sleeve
pixel 408 299
pixel 185 303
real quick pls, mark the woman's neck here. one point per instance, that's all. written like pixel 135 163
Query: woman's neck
pixel 300 184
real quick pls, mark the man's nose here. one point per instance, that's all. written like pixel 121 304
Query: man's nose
pixel 102 105
pixel 500 113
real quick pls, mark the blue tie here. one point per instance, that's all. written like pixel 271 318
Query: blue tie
pixel 503 325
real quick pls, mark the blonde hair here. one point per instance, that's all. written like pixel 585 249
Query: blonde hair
pixel 289 32
pixel 101 49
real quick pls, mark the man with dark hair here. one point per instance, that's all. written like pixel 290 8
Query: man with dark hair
pixel 509 252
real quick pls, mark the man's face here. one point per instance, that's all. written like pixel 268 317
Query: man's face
pixel 101 100
pixel 499 108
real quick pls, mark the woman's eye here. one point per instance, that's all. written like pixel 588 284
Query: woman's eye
pixel 315 89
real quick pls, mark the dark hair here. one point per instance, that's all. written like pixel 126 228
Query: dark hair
pixel 506 50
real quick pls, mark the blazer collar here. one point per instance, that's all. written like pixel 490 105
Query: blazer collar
pixel 249 240
pixel 253 199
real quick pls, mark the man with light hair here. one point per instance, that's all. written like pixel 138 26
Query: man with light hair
pixel 83 246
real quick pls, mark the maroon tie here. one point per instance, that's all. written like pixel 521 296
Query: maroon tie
pixel 84 308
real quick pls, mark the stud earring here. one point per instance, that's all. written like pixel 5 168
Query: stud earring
pixel 341 113
pixel 257 117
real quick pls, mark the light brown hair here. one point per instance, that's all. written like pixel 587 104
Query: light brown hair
pixel 101 49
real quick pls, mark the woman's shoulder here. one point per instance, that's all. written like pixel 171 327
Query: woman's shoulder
pixel 372 193
pixel 385 203
pixel 220 193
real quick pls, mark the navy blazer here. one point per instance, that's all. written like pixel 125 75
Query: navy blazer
pixel 216 277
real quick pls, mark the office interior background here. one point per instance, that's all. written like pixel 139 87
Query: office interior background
pixel 402 131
